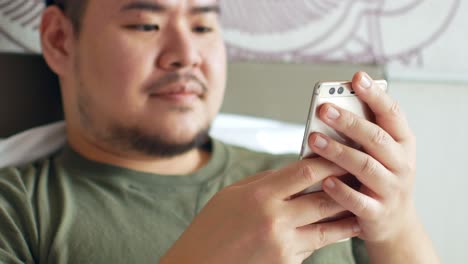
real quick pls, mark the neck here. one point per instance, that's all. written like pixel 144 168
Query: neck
pixel 183 164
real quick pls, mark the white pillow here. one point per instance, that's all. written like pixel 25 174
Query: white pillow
pixel 255 133
pixel 31 144
pixel 258 133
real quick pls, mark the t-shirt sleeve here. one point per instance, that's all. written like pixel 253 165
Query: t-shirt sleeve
pixel 360 251
pixel 18 236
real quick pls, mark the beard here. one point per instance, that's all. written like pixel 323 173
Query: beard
pixel 131 138
pixel 135 139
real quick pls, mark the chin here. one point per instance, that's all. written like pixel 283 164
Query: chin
pixel 181 129
pixel 157 142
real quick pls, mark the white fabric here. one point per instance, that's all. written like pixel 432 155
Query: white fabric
pixel 258 133
pixel 31 144
pixel 254 133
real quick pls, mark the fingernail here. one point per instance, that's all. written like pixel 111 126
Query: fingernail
pixel 329 183
pixel 320 142
pixel 332 113
pixel 356 228
pixel 366 81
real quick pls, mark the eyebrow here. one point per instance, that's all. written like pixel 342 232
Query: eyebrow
pixel 158 8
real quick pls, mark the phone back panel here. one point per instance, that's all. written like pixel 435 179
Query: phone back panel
pixel 342 95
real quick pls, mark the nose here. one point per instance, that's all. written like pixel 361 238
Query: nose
pixel 179 52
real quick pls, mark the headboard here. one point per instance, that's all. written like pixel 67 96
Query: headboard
pixel 30 94
pixel 283 91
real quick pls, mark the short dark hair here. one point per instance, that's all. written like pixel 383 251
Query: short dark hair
pixel 73 9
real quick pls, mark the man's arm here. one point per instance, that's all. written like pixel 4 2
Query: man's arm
pixel 256 220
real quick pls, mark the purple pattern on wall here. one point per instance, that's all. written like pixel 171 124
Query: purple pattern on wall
pixel 274 16
pixel 336 30
pixel 259 19
pixel 20 22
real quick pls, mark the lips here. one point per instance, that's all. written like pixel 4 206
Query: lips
pixel 180 88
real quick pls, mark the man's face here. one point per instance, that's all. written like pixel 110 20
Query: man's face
pixel 149 74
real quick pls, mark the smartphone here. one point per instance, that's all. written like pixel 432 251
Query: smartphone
pixel 342 95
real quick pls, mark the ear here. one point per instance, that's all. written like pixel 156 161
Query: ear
pixel 57 40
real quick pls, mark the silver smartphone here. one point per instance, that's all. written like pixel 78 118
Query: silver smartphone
pixel 342 95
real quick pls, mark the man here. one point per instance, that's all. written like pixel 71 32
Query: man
pixel 140 181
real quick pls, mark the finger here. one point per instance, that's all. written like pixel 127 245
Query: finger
pixel 298 176
pixel 311 208
pixel 356 202
pixel 374 140
pixel 387 111
pixel 316 236
pixel 367 170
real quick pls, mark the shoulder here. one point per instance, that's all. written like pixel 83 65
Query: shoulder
pixel 19 210
pixel 22 180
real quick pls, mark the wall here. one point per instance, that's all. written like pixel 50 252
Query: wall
pixel 418 39
pixel 437 114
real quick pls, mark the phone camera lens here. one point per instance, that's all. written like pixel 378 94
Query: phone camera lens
pixel 332 91
pixel 341 90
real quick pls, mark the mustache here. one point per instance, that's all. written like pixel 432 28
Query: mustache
pixel 174 78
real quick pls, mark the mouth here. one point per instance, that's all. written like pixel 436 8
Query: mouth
pixel 180 93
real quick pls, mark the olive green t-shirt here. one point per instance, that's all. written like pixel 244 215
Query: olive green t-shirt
pixel 67 209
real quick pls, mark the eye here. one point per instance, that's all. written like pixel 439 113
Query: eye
pixel 202 29
pixel 144 27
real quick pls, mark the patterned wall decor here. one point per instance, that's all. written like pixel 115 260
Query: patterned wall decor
pixel 406 34
pixel 333 30
pixel 19 23
pixel 401 33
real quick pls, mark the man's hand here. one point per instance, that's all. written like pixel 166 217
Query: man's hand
pixel 256 220
pixel 386 166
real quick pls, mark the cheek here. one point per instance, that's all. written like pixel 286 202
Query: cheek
pixel 116 73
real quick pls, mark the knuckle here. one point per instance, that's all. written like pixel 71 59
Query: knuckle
pixel 347 196
pixel 406 166
pixel 351 122
pixel 380 137
pixel 272 229
pixel 324 208
pixel 374 215
pixel 259 196
pixel 339 152
pixel 309 174
pixel 361 205
pixel 369 167
pixel 395 109
pixel 322 239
